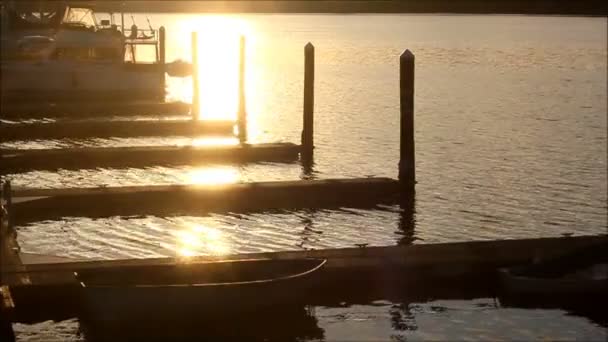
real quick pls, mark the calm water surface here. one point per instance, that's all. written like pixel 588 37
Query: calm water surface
pixel 511 142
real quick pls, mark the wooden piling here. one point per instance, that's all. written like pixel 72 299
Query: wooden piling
pixel 309 100
pixel 161 45
pixel 7 241
pixel 7 196
pixel 242 113
pixel 195 111
pixel 162 59
pixel 407 166
pixel 6 307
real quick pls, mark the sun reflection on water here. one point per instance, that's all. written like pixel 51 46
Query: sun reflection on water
pixel 218 60
pixel 214 141
pixel 212 176
pixel 201 240
pixel 218 37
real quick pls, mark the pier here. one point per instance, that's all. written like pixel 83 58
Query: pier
pixel 43 204
pixel 83 129
pixel 13 111
pixel 121 157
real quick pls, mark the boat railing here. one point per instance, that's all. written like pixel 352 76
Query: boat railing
pixel 136 36
pixel 141 36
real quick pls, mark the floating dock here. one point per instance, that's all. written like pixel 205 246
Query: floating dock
pixel 31 205
pixel 20 160
pixel 83 129
pixel 375 273
pixel 90 109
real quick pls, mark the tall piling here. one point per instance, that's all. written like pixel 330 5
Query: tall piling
pixel 309 101
pixel 6 302
pixel 8 206
pixel 407 165
pixel 162 46
pixel 195 110
pixel 242 112
pixel 162 60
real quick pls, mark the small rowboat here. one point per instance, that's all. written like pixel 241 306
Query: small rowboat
pixel 574 276
pixel 197 289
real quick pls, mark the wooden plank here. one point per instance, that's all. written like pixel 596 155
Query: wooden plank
pixel 121 157
pixel 80 129
pixel 200 199
pixel 91 109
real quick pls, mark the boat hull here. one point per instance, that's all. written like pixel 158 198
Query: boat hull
pixel 548 287
pixel 71 81
pixel 127 302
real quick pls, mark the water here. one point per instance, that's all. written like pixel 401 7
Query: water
pixel 511 142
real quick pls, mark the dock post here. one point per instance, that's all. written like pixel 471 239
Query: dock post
pixel 161 45
pixel 162 60
pixel 195 110
pixel 309 101
pixel 407 165
pixel 7 196
pixel 242 112
pixel 6 330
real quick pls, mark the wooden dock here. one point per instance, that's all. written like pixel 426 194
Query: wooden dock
pixel 374 273
pixel 91 109
pixel 82 129
pixel 9 259
pixel 42 204
pixel 43 291
pixel 21 160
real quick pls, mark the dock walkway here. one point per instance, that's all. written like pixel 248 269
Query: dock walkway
pixel 373 273
pixel 43 204
pixel 21 160
pixel 108 128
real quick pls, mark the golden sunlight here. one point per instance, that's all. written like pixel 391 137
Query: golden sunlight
pixel 200 240
pixel 219 62
pixel 212 176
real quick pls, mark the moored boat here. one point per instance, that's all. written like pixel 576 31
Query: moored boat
pixel 53 52
pixel 200 289
pixel 572 277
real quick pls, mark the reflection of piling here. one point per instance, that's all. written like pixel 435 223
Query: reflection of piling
pixel 309 100
pixel 195 82
pixel 242 113
pixel 162 59
pixel 407 166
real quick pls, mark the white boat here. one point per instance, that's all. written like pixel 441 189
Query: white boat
pixel 53 52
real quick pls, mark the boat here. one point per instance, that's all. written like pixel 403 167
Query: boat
pixel 196 290
pixel 53 53
pixel 575 277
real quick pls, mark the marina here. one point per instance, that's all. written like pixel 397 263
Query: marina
pixel 378 271
pixel 311 251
